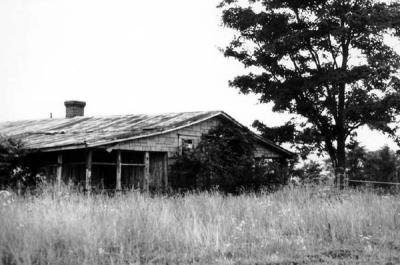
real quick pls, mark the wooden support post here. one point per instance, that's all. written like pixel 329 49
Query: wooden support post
pixel 345 180
pixel 146 171
pixel 59 171
pixel 284 175
pixel 118 175
pixel 165 169
pixel 88 171
pixel 19 187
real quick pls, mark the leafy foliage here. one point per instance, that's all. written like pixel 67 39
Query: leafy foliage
pixel 324 60
pixel 356 160
pixel 223 159
pixel 15 165
pixel 309 173
pixel 381 165
pixel 10 153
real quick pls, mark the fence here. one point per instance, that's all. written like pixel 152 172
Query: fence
pixel 374 182
pixel 385 186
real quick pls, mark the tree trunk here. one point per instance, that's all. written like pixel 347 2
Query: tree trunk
pixel 340 170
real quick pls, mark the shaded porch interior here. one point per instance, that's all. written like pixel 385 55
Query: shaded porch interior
pixel 99 169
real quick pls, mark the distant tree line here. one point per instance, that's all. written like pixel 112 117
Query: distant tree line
pixel 382 165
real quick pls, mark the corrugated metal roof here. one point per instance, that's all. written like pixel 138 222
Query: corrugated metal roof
pixel 94 131
pixel 80 132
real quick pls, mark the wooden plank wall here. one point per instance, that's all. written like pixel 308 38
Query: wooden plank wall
pixel 132 177
pixel 170 142
pixel 157 171
pixel 262 151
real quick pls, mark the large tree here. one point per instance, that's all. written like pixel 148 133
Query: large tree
pixel 325 60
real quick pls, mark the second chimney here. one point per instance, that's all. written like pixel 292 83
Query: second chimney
pixel 74 108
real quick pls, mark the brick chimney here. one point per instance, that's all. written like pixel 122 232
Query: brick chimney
pixel 74 108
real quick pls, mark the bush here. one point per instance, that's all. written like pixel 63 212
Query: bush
pixel 309 173
pixel 224 159
pixel 16 169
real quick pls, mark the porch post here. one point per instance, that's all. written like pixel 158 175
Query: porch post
pixel 165 169
pixel 146 171
pixel 283 170
pixel 118 180
pixel 88 171
pixel 59 171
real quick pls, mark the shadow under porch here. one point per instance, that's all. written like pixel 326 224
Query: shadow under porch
pixel 99 170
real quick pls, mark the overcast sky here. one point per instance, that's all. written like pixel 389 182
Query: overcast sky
pixel 121 57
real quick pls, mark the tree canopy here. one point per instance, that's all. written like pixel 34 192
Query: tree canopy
pixel 325 60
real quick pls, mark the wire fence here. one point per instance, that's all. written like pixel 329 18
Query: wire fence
pixel 379 186
pixel 373 182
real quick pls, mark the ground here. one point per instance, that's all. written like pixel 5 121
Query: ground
pixel 291 226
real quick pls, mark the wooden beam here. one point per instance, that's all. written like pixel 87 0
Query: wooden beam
pixel 165 169
pixel 114 164
pixel 88 171
pixel 74 163
pixel 104 164
pixel 59 171
pixel 118 173
pixel 132 165
pixel 146 171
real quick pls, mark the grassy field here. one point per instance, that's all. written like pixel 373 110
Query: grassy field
pixel 291 226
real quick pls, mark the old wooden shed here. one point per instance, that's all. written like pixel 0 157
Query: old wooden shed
pixel 119 152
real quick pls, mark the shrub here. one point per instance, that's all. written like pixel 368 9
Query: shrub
pixel 16 169
pixel 309 173
pixel 223 159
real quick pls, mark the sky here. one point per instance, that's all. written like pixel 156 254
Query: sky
pixel 123 57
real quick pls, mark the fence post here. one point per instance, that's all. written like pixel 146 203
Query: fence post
pixel 345 180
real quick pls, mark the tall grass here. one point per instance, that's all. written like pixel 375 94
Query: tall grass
pixel 294 224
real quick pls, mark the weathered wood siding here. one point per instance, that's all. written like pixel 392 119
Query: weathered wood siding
pixel 262 151
pixel 171 142
pixel 157 171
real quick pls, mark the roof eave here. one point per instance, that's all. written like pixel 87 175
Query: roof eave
pixel 59 148
pixel 277 148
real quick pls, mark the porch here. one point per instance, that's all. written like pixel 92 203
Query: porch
pixel 98 169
